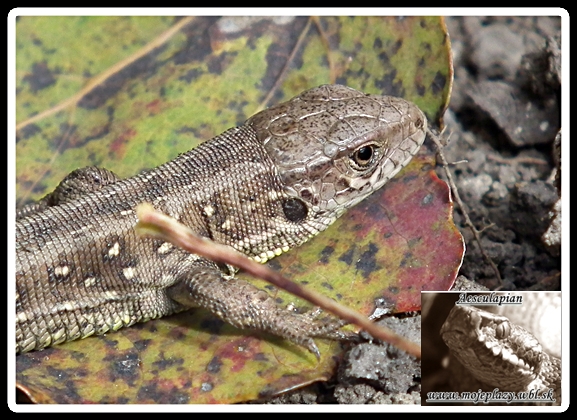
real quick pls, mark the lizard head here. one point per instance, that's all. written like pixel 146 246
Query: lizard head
pixel 333 146
pixel 496 351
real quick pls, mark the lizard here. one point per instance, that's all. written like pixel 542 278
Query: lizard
pixel 498 352
pixel 261 188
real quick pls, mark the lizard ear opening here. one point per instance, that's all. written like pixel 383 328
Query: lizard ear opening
pixel 294 209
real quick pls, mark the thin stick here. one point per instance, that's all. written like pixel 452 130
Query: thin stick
pixel 96 81
pixel 455 191
pixel 161 226
pixel 326 44
pixel 280 78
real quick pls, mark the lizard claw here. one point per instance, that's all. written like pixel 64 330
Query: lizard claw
pixel 326 328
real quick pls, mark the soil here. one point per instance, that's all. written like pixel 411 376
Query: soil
pixel 504 127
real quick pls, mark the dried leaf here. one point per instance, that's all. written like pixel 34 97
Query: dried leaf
pixel 208 77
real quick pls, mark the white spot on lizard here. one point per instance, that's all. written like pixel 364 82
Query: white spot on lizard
pixel 164 248
pixel 114 250
pixel 89 281
pixel 110 295
pixel 62 271
pixel 128 273
pixel 22 316
pixel 208 210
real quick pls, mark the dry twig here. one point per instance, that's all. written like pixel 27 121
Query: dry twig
pixel 468 222
pixel 161 226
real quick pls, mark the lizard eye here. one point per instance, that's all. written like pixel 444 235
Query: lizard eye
pixel 364 157
pixel 503 330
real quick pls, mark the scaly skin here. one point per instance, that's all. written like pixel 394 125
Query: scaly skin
pixel 499 353
pixel 261 188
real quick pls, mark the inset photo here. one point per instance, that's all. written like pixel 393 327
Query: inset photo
pixel 491 348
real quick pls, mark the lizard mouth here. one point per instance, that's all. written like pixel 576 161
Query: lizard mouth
pixel 496 351
pixel 499 343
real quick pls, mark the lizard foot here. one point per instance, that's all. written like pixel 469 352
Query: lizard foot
pixel 243 305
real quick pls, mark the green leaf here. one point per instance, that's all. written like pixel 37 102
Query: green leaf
pixel 208 77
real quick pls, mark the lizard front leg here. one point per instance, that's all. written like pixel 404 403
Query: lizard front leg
pixel 243 305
